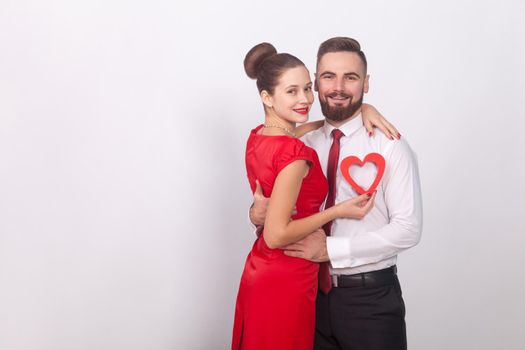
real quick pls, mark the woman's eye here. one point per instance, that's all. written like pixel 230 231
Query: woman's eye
pixel 292 92
pixel 308 89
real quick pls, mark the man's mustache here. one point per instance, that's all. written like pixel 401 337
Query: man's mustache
pixel 338 94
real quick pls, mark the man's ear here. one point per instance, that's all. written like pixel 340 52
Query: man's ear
pixel 316 88
pixel 366 85
pixel 266 99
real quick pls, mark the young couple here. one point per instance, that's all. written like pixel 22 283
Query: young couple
pixel 317 230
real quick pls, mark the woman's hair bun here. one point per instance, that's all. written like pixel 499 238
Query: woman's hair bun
pixel 255 57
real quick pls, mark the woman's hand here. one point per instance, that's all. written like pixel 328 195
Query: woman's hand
pixel 356 208
pixel 372 117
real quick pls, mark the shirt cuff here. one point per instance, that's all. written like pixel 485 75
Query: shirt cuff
pixel 256 229
pixel 338 251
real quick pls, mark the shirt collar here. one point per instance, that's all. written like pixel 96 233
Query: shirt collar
pixel 347 128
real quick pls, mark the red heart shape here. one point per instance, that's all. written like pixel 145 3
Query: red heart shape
pixel 375 158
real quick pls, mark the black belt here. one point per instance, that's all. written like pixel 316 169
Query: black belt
pixel 366 279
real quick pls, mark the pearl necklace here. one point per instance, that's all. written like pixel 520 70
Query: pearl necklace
pixel 280 127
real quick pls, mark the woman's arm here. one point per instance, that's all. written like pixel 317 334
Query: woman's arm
pixel 306 128
pixel 372 117
pixel 280 231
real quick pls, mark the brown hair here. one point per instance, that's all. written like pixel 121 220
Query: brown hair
pixel 263 63
pixel 341 44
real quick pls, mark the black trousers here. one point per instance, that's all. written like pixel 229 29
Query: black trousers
pixel 369 317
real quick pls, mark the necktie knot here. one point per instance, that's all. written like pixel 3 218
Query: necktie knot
pixel 337 134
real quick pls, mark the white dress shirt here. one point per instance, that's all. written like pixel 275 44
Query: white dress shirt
pixel 395 221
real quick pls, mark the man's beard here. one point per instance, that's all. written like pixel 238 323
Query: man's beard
pixel 337 113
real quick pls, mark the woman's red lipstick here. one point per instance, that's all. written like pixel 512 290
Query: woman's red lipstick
pixel 302 111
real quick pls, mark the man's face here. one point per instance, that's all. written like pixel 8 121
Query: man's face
pixel 341 81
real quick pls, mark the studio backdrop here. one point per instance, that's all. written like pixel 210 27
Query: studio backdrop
pixel 123 191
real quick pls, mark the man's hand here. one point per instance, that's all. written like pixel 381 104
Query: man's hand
pixel 312 247
pixel 259 206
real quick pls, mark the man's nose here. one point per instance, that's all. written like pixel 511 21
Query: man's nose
pixel 339 85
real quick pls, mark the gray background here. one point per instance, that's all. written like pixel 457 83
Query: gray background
pixel 123 197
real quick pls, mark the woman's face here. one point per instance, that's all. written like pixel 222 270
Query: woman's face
pixel 293 96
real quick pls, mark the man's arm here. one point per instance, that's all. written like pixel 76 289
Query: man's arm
pixel 312 247
pixel 259 206
pixel 402 195
pixel 371 118
pixel 402 192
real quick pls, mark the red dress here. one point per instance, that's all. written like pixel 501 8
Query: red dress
pixel 275 307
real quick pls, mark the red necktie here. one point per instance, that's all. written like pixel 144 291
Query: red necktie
pixel 325 282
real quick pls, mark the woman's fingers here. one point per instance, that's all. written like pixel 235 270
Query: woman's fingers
pixel 362 199
pixel 368 205
pixel 392 129
pixel 368 126
pixel 381 126
pixel 357 207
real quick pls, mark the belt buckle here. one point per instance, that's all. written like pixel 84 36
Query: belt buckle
pixel 335 280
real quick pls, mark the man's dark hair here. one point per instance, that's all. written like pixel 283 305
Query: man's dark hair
pixel 341 44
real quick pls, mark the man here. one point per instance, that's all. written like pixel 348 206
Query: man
pixel 359 305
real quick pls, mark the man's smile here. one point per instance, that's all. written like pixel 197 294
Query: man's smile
pixel 338 98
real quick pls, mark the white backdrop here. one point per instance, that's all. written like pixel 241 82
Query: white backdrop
pixel 123 197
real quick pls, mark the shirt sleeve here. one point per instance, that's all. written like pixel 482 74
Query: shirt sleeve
pixel 402 195
pixel 257 230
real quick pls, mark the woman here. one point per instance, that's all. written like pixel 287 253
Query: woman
pixel 276 300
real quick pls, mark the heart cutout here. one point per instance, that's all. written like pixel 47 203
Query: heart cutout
pixel 375 158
